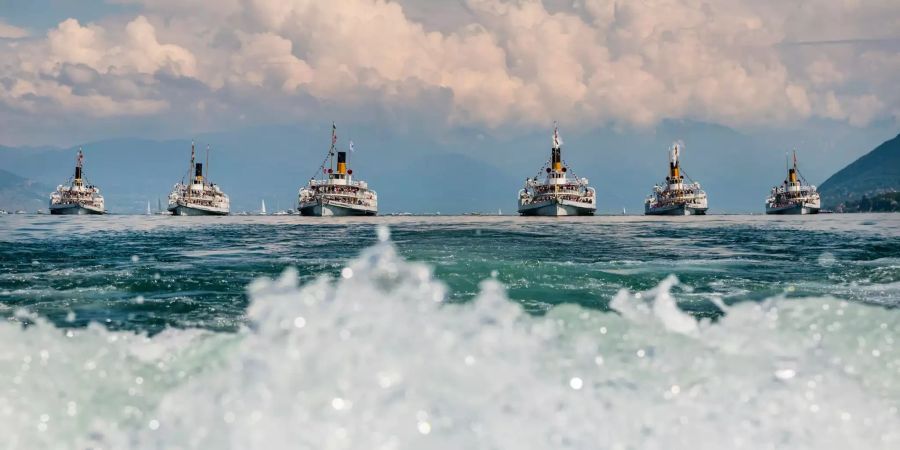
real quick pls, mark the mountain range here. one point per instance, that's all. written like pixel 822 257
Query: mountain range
pixel 419 172
pixel 874 174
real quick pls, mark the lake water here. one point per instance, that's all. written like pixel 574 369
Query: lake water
pixel 450 332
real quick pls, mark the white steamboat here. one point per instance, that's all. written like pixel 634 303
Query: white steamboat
pixel 794 196
pixel 198 197
pixel 77 197
pixel 337 193
pixel 557 194
pixel 675 197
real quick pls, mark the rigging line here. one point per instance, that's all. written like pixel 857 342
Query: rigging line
pixel 322 167
pixel 541 170
pixel 577 180
pixel 330 152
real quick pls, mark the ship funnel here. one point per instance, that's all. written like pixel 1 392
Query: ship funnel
pixel 792 172
pixel 198 171
pixel 79 162
pixel 556 153
pixel 342 162
pixel 674 170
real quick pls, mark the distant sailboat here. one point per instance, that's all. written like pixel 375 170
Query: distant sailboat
pixel 262 208
pixel 148 208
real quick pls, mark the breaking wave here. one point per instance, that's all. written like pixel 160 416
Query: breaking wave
pixel 376 359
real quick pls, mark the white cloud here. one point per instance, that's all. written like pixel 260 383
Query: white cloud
pixel 496 63
pixel 8 31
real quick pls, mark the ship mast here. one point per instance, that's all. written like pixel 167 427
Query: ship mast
pixel 331 150
pixel 792 172
pixel 187 190
pixel 191 163
pixel 556 151
pixel 206 169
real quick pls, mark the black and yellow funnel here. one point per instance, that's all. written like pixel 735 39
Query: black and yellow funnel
pixel 342 163
pixel 556 159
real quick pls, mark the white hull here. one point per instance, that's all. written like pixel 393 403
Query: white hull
pixel 318 209
pixel 796 209
pixel 75 210
pixel 185 210
pixel 557 208
pixel 675 210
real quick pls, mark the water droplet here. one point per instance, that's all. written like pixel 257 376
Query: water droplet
pixel 347 272
pixel 576 383
pixel 154 424
pixel 299 322
pixel 785 374
pixel 135 258
pixel 337 403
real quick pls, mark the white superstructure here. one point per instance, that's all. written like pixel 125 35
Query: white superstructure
pixel 557 194
pixel 198 197
pixel 794 196
pixel 675 197
pixel 337 193
pixel 77 197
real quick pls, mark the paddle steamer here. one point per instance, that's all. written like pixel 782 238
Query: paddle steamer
pixel 198 197
pixel 557 194
pixel 675 197
pixel 794 196
pixel 77 197
pixel 335 192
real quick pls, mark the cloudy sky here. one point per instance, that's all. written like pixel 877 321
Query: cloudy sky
pixel 72 70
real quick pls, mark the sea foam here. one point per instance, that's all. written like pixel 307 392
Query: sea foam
pixel 376 359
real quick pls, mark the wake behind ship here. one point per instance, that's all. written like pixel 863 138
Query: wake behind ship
pixel 557 194
pixel 337 194
pixel 198 197
pixel 674 197
pixel 794 196
pixel 76 197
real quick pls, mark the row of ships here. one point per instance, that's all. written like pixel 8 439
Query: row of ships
pixel 555 191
